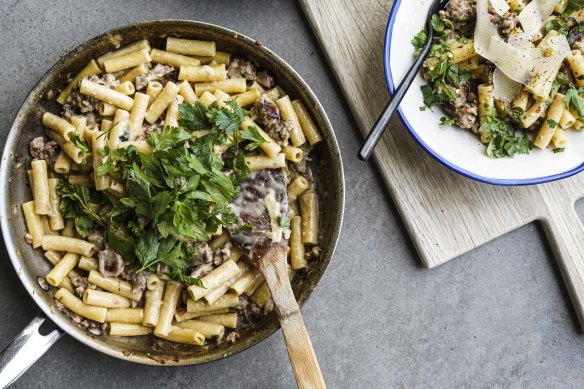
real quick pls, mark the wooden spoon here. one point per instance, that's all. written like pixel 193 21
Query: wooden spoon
pixel 261 241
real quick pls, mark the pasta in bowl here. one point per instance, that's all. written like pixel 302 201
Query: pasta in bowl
pixel 147 134
pixel 499 79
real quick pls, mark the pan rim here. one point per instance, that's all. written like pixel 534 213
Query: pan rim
pixel 9 237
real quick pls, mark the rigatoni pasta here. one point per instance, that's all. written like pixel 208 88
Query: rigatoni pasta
pixel 134 207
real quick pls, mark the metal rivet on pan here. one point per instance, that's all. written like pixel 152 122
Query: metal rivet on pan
pixel 43 283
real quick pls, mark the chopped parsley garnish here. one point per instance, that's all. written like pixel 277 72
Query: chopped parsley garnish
pixel 78 142
pixel 559 150
pixel 178 195
pixel 552 123
pixel 504 141
pixel 444 121
pixel 574 5
pixel 419 42
pixel 283 221
pixel 573 101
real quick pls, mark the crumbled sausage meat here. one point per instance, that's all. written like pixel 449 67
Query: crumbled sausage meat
pixel 232 337
pixel 461 10
pixel 222 254
pixel 41 150
pixel 266 80
pixel 79 104
pixel 204 253
pixel 80 283
pixel 244 68
pixel 247 310
pixel 159 73
pixel 111 263
pixel 464 108
pixel 268 115
pixel 313 253
pixel 266 110
pixel 98 239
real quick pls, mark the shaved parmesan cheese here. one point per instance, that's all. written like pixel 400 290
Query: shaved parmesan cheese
pixel 516 64
pixel 520 41
pixel 500 6
pixel 534 15
pixel 504 88
pixel 484 30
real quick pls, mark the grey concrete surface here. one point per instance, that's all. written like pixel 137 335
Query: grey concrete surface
pixel 497 317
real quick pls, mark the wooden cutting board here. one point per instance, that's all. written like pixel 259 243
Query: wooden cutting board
pixel 445 213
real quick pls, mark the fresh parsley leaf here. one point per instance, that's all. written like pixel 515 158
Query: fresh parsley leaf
pixel 419 41
pixel 193 117
pixel 78 202
pixel 574 5
pixel 170 137
pixel 283 221
pixel 147 249
pixel 573 101
pixel 226 120
pixel 559 150
pixel 252 134
pixel 437 23
pixel 179 275
pixel 552 123
pixel 504 141
pixel 78 142
pixel 444 121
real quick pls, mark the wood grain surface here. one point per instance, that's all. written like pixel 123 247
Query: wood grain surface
pixel 445 213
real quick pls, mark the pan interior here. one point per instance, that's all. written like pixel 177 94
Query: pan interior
pixel 29 263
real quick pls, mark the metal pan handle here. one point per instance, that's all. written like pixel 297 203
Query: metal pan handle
pixel 24 350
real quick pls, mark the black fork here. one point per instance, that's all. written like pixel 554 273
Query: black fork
pixel 381 124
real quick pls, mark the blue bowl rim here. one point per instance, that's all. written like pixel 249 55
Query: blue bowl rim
pixel 488 180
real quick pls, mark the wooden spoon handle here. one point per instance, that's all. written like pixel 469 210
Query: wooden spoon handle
pixel 302 356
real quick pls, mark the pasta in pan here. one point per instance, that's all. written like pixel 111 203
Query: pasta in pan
pixel 131 193
pixel 510 71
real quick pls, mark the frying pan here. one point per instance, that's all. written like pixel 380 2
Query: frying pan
pixel 29 264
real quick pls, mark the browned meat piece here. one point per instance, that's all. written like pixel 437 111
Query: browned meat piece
pixel 461 10
pixel 266 110
pixel 139 281
pixel 111 263
pixel 80 283
pixel 232 337
pixel 464 108
pixel 265 79
pixel 505 24
pixel 160 73
pixel 41 150
pixel 280 131
pixel 204 254
pixel 313 254
pixel 242 68
pixel 222 254
pixel 97 238
pixel 268 116
pixel 78 104
pixel 247 309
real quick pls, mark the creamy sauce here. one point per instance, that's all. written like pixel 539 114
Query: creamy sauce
pixel 260 203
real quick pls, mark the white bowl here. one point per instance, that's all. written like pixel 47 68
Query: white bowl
pixel 458 149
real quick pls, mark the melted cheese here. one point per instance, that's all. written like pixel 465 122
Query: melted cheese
pixel 274 211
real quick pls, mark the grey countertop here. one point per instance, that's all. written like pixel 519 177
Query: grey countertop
pixel 496 317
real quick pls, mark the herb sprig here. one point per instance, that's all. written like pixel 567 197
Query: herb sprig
pixel 175 196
